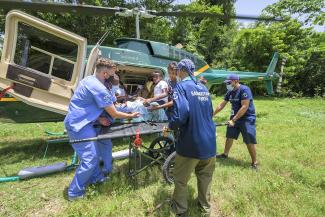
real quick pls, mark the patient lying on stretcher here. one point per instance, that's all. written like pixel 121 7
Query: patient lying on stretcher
pixel 144 100
pixel 145 111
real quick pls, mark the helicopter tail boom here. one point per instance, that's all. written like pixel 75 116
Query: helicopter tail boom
pixel 270 73
pixel 270 69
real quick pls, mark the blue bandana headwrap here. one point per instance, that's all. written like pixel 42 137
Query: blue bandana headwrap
pixel 189 67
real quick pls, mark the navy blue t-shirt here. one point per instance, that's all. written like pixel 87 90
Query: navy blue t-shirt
pixel 171 86
pixel 192 114
pixel 235 97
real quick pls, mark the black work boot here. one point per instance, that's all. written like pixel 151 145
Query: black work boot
pixel 222 156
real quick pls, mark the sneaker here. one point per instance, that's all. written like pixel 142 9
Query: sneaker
pixel 254 166
pixel 222 156
pixel 104 180
pixel 75 198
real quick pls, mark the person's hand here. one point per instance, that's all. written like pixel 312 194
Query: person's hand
pixel 153 108
pixel 146 103
pixel 231 123
pixel 134 115
pixel 104 121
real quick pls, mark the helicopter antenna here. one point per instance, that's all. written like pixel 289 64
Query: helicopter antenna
pixel 101 40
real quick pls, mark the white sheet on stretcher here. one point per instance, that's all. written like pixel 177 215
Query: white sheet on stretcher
pixel 145 115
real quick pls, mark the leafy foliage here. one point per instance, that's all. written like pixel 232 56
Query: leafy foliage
pixel 311 79
pixel 312 10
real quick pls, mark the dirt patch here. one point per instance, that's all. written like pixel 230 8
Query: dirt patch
pixel 215 210
pixel 51 208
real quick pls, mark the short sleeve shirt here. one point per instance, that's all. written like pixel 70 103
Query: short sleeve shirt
pixel 236 96
pixel 87 103
pixel 159 89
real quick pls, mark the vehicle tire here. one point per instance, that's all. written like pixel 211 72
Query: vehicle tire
pixel 168 168
pixel 159 145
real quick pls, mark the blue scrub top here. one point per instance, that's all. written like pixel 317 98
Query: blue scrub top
pixel 87 103
pixel 235 97
pixel 192 114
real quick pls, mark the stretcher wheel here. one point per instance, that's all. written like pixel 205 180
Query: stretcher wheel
pixel 168 168
pixel 161 145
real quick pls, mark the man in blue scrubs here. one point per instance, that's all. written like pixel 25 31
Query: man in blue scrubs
pixel 89 101
pixel 192 114
pixel 242 117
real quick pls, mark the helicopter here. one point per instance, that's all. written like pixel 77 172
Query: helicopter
pixel 41 63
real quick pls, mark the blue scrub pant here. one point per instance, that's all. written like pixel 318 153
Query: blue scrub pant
pixel 88 171
pixel 104 149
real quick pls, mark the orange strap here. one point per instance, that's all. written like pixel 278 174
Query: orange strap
pixel 3 93
pixel 137 142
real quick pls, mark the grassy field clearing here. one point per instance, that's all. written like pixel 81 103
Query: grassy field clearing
pixel 290 180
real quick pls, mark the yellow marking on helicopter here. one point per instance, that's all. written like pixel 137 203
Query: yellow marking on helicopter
pixel 201 70
pixel 11 99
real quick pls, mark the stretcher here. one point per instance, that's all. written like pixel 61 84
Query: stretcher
pixel 155 153
pixel 141 156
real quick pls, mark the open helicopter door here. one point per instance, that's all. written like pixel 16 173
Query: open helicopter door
pixel 42 62
pixel 94 54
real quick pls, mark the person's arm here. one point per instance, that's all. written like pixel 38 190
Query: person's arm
pixel 241 112
pixel 158 97
pixel 220 107
pixel 245 96
pixel 111 110
pixel 166 105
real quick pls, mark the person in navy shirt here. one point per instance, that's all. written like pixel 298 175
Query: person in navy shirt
pixel 242 117
pixel 88 102
pixel 191 114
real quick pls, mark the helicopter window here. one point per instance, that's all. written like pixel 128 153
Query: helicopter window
pixel 132 81
pixel 45 52
pixel 36 60
pixel 62 69
pixel 123 45
pixel 136 46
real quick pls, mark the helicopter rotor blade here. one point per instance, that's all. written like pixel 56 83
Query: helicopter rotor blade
pixel 213 15
pixel 106 11
pixel 59 8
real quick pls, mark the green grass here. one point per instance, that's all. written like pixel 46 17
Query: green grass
pixel 290 181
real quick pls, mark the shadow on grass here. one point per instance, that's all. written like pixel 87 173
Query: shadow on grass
pixel 232 162
pixel 16 152
pixel 120 182
pixel 162 203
